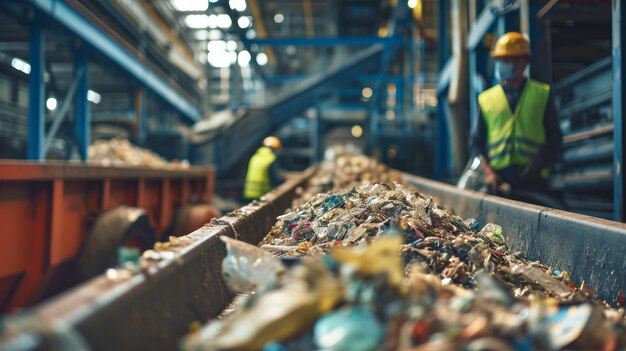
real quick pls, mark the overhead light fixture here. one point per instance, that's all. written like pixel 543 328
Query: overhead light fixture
pixel 224 21
pixel 279 18
pixel 367 92
pixel 215 34
pixel 216 45
pixel 213 21
pixel 261 59
pixel 357 131
pixel 390 115
pixel 244 22
pixel 20 65
pixel 219 59
pixel 231 45
pixel 243 59
pixel 238 5
pixel 197 21
pixel 202 34
pixel 412 3
pixel 94 97
pixel 51 104
pixel 191 5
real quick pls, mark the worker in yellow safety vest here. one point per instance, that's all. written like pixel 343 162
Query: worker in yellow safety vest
pixel 263 170
pixel 517 131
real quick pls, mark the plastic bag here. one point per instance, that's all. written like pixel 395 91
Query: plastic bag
pixel 248 268
pixel 493 232
pixel 473 176
pixel 548 282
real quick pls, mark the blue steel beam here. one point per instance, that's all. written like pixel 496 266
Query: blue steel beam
pixel 80 26
pixel 330 41
pixel 62 112
pixel 368 78
pixel 481 26
pixel 619 96
pixel 445 76
pixel 344 106
pixel 36 94
pixel 82 123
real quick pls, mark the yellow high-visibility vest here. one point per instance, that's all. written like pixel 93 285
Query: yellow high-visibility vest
pixel 258 180
pixel 514 137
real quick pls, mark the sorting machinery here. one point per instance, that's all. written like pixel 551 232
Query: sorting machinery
pixel 63 223
pixel 154 307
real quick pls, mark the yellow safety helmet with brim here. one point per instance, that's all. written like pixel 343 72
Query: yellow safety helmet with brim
pixel 273 143
pixel 511 44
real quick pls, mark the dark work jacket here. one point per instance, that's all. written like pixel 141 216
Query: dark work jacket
pixel 548 154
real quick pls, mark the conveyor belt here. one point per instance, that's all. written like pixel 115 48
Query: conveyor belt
pixel 153 309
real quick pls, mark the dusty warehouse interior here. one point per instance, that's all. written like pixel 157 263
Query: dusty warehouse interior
pixel 278 175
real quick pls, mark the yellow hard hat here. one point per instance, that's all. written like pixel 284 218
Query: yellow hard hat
pixel 272 142
pixel 511 44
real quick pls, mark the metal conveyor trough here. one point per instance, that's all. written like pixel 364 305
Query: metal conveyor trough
pixel 153 309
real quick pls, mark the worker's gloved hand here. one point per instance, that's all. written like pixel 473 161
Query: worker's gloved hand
pixel 492 181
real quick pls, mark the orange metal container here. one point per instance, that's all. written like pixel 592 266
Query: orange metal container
pixel 46 210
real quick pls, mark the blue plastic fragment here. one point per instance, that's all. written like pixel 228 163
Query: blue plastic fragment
pixel 353 329
pixel 332 201
pixel 417 241
pixel 472 224
pixel 274 346
pixel 524 345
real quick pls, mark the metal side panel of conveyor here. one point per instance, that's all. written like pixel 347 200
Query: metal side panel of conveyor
pixel 152 309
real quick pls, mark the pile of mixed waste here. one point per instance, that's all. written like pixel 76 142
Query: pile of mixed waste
pixel 346 172
pixel 385 268
pixel 121 152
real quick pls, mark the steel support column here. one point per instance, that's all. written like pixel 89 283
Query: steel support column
pixel 619 96
pixel 507 22
pixel 36 94
pixel 140 115
pixel 524 17
pixel 315 135
pixel 82 116
pixel 478 58
pixel 442 148
pixel 540 46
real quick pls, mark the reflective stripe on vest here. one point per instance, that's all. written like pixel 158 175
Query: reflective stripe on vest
pixel 514 138
pixel 258 178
